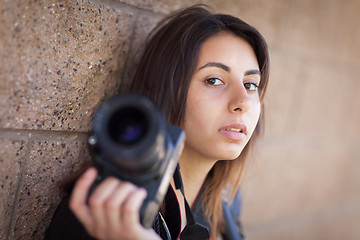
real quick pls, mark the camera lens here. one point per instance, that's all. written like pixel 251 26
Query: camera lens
pixel 127 126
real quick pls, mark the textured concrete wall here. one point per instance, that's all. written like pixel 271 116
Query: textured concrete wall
pixel 60 59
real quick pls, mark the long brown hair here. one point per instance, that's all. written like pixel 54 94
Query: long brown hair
pixel 164 72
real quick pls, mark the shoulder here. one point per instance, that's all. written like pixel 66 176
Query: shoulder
pixel 232 214
pixel 236 204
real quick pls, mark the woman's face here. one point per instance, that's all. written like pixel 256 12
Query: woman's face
pixel 223 105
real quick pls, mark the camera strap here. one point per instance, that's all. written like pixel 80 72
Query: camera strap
pixel 192 230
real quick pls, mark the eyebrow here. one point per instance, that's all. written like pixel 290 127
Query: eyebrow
pixel 216 64
pixel 251 72
pixel 227 68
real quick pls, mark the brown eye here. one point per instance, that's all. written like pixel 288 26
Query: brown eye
pixel 214 81
pixel 251 86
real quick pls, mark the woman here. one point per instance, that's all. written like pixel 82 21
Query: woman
pixel 208 73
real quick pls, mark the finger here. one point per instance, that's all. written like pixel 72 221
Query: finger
pixel 131 208
pixel 79 196
pixel 115 202
pixel 98 199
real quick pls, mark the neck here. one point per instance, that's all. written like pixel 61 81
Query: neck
pixel 194 169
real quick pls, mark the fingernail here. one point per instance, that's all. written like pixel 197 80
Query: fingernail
pixel 144 192
pixel 87 173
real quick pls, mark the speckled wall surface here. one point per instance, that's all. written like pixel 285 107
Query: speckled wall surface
pixel 60 59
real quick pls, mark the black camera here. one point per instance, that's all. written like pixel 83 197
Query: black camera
pixel 132 141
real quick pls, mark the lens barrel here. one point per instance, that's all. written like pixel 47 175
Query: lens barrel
pixel 131 135
pixel 128 126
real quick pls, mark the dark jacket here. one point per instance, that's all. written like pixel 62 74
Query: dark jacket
pixel 65 225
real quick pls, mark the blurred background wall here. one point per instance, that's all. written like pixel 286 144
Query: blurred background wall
pixel 60 59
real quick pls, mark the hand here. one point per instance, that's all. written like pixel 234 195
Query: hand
pixel 113 209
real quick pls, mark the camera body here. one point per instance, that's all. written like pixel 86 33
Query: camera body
pixel 132 141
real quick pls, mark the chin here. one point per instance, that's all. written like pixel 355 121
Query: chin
pixel 229 156
pixel 232 153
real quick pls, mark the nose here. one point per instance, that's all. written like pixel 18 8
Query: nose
pixel 239 100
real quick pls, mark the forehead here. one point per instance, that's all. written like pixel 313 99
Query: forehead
pixel 229 49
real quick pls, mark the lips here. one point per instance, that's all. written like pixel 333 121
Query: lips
pixel 234 132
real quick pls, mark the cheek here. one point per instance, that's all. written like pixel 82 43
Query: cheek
pixel 199 120
pixel 195 114
pixel 254 116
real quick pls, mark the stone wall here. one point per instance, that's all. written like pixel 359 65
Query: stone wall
pixel 60 59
